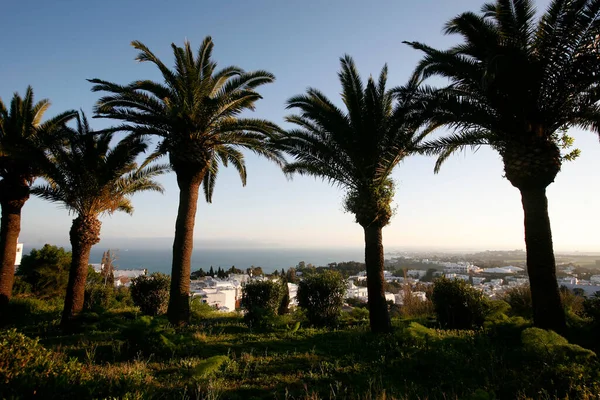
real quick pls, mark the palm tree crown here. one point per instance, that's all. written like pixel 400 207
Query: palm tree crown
pixel 91 178
pixel 195 112
pixel 357 149
pixel 24 137
pixel 517 85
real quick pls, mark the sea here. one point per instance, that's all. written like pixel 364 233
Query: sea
pixel 160 259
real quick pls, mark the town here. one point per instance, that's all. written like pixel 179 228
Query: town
pixel 406 274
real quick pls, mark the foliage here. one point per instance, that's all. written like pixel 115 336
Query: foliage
pixel 322 297
pixel 21 287
pixel 28 369
pixel 210 366
pixel 519 299
pixel 261 299
pixel 19 310
pixel 124 355
pixel 413 306
pixel 108 267
pixel 591 307
pixel 148 336
pixel 91 178
pixel 206 131
pixel 98 297
pixel 356 302
pixel 46 270
pixel 200 310
pixel 151 293
pixel 284 305
pixel 123 297
pixel 458 305
pixel 93 277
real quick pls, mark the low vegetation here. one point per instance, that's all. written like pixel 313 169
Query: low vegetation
pixel 117 352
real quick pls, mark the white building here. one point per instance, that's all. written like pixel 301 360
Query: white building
pixel 570 280
pixel 503 270
pixel 478 280
pixel 293 291
pixel 416 273
pixel 123 277
pixel 357 292
pixel 595 279
pixel 19 254
pixel 221 298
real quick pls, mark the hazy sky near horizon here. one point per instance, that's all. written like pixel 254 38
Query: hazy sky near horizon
pixel 54 46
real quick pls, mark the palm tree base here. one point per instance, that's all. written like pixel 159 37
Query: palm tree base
pixel 379 316
pixel 548 312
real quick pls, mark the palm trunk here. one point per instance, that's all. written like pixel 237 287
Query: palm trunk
pixel 84 234
pixel 548 312
pixel 12 203
pixel 378 310
pixel 178 311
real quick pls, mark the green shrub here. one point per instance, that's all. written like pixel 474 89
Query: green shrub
pixel 261 300
pixel 284 305
pixel 148 336
pixel 209 366
pixel 564 370
pixel 322 297
pixel 199 309
pixel 458 305
pixel 151 293
pixel 27 369
pixel 123 297
pixel 46 270
pixel 519 300
pixel 98 297
pixel 25 310
pixel 591 308
pixel 20 286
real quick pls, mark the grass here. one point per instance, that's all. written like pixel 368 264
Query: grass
pixel 120 354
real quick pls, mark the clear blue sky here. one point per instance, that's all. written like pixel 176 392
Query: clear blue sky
pixel 54 46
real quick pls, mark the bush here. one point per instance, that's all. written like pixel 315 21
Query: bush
pixel 261 300
pixel 98 297
pixel 458 305
pixel 22 311
pixel 123 297
pixel 148 336
pixel 591 308
pixel 284 305
pixel 322 297
pixel 29 370
pixel 151 293
pixel 46 270
pixel 519 300
pixel 20 286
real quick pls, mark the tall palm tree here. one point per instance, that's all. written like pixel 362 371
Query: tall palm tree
pixel 194 113
pixel 23 140
pixel 517 84
pixel 90 178
pixel 357 149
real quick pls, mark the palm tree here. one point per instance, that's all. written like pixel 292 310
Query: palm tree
pixel 194 113
pixel 23 140
pixel 90 179
pixel 357 150
pixel 517 85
